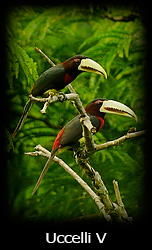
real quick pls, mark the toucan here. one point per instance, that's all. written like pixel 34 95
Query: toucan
pixel 71 133
pixel 57 77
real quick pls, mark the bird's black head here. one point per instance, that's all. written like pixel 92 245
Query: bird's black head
pixel 80 63
pixel 100 106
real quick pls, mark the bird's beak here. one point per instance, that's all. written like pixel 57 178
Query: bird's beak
pixel 118 108
pixel 89 65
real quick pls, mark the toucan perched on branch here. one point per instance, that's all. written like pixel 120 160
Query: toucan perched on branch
pixel 72 132
pixel 57 77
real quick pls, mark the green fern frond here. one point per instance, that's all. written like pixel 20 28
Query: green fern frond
pixel 129 70
pixel 32 27
pixel 28 65
pixel 109 58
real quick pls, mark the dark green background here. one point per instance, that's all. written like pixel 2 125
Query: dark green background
pixel 115 37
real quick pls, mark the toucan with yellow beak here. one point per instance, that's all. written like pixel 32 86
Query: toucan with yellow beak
pixel 57 77
pixel 71 133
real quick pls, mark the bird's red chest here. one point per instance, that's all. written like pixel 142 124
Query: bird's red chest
pixel 67 78
pixel 101 122
pixel 56 143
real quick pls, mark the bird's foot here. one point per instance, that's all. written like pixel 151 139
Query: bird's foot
pixel 77 154
pixel 80 154
pixel 50 93
pixel 61 96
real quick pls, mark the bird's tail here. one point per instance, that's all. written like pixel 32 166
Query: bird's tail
pixel 26 111
pixel 53 154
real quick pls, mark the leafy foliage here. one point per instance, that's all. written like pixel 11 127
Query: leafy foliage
pixel 119 46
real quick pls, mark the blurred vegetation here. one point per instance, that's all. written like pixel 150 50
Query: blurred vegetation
pixel 115 38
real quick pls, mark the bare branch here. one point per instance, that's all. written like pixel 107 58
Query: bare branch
pixel 85 186
pixel 71 89
pixel 90 147
pixel 43 110
pixel 122 210
pixel 102 198
pixel 97 184
pixel 45 56
pixel 118 141
pixel 54 97
pixel 88 135
pixel 59 97
pixel 43 152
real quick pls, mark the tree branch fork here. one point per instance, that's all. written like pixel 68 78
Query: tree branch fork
pixel 100 195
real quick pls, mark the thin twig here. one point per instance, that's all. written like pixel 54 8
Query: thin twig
pixel 121 206
pixel 118 141
pixel 88 135
pixel 71 88
pixel 90 147
pixel 59 97
pixel 117 193
pixel 45 56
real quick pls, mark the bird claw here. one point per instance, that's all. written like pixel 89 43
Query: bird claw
pixel 61 96
pixel 50 93
pixel 78 153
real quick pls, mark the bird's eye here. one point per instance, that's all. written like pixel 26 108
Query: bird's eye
pixel 77 61
pixel 99 103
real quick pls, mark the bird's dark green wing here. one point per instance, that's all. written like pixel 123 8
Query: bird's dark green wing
pixel 52 78
pixel 72 131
